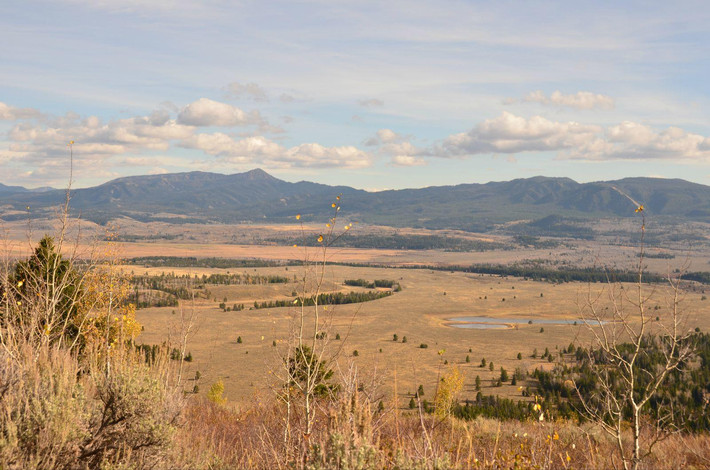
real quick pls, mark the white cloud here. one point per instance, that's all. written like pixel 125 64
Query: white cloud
pixel 398 147
pixel 407 160
pixel 246 90
pixel 384 136
pixel 133 142
pixel 44 143
pixel 635 141
pixel 316 155
pixel 206 112
pixel 10 113
pixel 511 134
pixel 388 136
pixel 241 151
pixel 262 151
pixel 579 100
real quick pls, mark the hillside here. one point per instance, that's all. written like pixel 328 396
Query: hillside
pixel 257 196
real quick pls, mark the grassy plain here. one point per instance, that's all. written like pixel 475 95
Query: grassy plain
pixel 238 435
pixel 419 312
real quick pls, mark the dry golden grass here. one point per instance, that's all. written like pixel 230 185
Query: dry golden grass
pixel 419 312
pixel 250 241
pixel 250 438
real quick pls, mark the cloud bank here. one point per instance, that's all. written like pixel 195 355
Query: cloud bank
pixel 234 137
pixel 511 134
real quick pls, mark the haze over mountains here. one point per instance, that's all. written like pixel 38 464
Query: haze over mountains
pixel 257 196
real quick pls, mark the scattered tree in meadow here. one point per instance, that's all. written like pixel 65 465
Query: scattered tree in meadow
pixel 447 392
pixel 216 392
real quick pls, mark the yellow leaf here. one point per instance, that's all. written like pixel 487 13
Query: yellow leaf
pixel 333 205
pixel 320 238
pixel 298 216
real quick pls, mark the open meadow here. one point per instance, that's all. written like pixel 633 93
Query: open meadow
pixel 398 328
pixel 421 312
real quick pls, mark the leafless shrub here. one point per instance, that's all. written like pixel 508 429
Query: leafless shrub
pixel 623 332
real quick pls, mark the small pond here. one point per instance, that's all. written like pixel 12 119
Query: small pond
pixel 488 323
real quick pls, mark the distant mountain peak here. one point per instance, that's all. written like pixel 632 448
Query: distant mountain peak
pixel 257 174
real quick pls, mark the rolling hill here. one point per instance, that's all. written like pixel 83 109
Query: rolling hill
pixel 257 196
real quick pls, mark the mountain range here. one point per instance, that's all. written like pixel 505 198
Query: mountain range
pixel 202 197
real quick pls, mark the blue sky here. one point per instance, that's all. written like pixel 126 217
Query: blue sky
pixel 374 95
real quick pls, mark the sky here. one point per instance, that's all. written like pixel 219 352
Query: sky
pixel 374 95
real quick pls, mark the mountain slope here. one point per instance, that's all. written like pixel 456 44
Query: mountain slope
pixel 256 195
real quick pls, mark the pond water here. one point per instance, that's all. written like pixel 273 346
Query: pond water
pixel 488 323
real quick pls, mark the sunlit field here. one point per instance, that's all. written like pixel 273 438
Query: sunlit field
pixel 420 312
